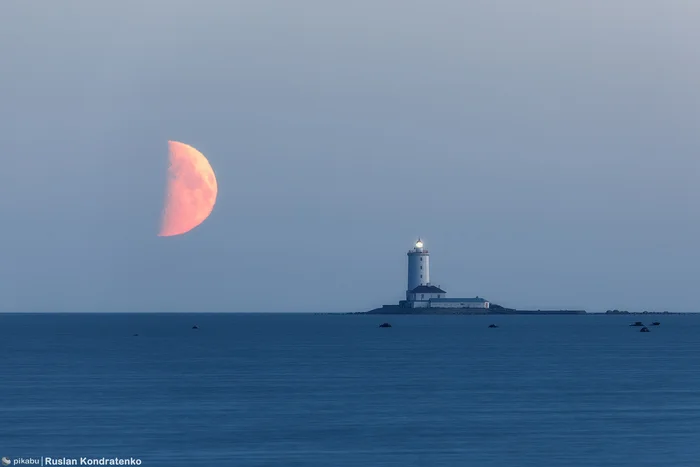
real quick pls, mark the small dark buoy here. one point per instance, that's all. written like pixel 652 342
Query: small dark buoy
pixel 385 325
pixel 655 323
pixel 195 327
pixel 492 326
pixel 637 323
pixel 644 329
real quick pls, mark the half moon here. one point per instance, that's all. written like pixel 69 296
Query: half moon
pixel 191 190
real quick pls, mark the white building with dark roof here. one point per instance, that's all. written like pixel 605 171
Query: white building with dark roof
pixel 420 293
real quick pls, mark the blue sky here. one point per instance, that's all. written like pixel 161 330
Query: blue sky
pixel 546 151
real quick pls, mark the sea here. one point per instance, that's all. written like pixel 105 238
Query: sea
pixel 337 390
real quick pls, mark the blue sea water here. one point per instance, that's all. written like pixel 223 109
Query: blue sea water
pixel 323 390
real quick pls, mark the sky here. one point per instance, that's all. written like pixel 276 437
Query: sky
pixel 545 151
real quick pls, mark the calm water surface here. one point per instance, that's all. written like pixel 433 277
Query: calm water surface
pixel 304 390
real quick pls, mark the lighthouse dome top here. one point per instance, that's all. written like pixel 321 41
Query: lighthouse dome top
pixel 418 247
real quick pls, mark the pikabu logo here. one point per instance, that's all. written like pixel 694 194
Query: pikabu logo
pixel 21 461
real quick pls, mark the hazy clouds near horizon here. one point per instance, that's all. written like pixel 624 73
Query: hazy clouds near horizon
pixel 547 151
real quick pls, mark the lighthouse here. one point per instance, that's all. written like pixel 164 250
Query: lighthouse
pixel 418 267
pixel 420 293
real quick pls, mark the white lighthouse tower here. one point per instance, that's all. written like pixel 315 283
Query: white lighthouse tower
pixel 418 267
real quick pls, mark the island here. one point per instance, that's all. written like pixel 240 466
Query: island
pixel 425 298
pixel 493 309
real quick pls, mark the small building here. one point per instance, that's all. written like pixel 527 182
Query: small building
pixel 421 295
pixel 476 302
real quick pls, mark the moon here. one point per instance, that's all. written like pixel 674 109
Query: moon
pixel 190 192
